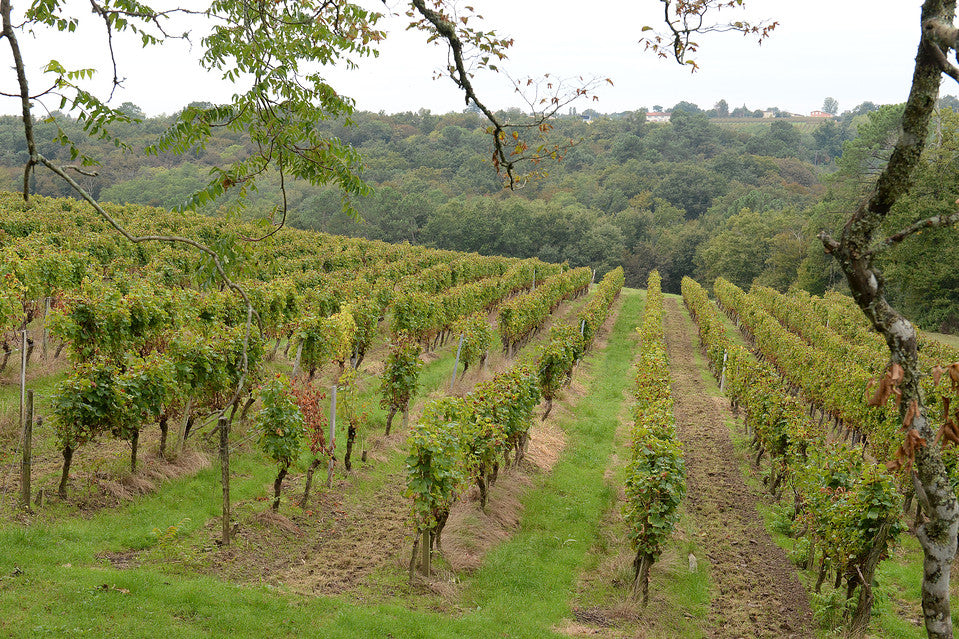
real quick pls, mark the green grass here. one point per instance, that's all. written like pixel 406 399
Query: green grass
pixel 526 584
pixel 54 581
pixel 679 600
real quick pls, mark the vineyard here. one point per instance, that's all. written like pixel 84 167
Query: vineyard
pixel 322 435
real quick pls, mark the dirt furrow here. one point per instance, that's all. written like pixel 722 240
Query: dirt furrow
pixel 755 591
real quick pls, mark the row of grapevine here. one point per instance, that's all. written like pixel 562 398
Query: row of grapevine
pixel 798 313
pixel 656 472
pixel 463 439
pixel 793 313
pixel 832 384
pixel 567 343
pixel 418 318
pixel 459 440
pixel 428 317
pixel 597 308
pixel 934 356
pixel 155 338
pixel 521 317
pixel 845 507
pixel 842 313
pixel 145 353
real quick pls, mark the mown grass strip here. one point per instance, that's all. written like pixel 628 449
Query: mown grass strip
pixel 526 584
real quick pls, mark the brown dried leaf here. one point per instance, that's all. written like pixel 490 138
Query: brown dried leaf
pixel 937 372
pixel 954 375
pixel 911 413
pixel 948 433
pixel 896 374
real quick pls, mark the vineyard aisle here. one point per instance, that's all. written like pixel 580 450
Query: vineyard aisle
pixel 754 589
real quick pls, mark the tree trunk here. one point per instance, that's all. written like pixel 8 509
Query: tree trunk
pixel 822 574
pixel 855 253
pixel 441 520
pixel 549 407
pixel 278 487
pixel 481 483
pixel 246 408
pixel 425 547
pixel 309 481
pixel 65 475
pixel 641 566
pixel 389 419
pixel 6 356
pixel 134 442
pixel 181 441
pixel 164 431
pixel 416 546
pixel 350 437
pixel 863 612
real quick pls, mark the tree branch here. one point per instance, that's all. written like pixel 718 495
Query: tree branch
pixel 11 37
pixel 829 245
pixel 947 67
pixel 934 222
pixel 461 77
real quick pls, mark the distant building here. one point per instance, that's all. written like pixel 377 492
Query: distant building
pixel 769 114
pixel 657 116
pixel 821 114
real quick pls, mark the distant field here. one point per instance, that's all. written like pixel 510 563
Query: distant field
pixel 758 125
pixel 950 340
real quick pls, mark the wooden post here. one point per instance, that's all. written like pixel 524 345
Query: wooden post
pixel 43 334
pixel 456 365
pixel 225 476
pixel 722 376
pixel 329 472
pixel 425 557
pixel 25 465
pixel 296 364
pixel 23 377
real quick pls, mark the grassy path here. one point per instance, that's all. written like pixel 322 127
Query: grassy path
pixel 526 583
pixel 55 582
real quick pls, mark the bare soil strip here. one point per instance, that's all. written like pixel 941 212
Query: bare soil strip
pixel 755 591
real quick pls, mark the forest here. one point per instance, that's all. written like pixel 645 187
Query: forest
pixel 699 196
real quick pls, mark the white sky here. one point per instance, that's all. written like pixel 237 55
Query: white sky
pixel 852 50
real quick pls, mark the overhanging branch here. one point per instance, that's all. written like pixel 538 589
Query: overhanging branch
pixel 461 77
pixel 934 222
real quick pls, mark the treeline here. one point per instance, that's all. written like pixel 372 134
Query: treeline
pixel 627 192
pixel 692 197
